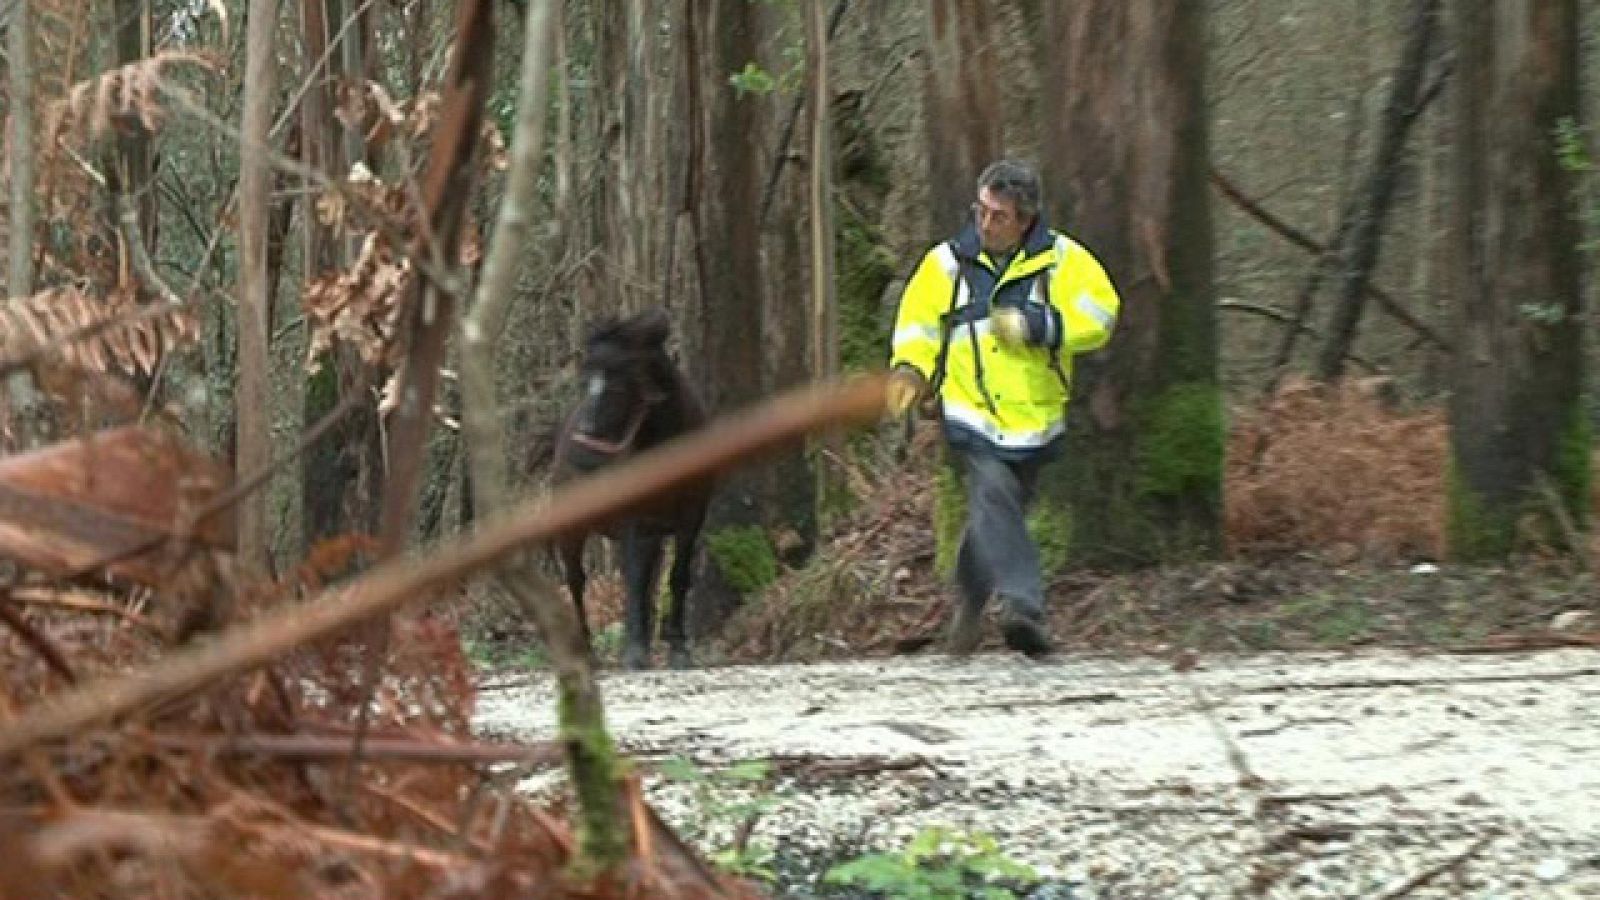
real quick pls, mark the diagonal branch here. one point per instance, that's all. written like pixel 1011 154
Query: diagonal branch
pixel 584 504
pixel 1309 244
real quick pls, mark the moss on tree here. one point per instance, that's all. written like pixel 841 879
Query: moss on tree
pixel 744 556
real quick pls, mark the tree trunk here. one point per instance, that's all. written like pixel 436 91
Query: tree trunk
pixel 1519 438
pixel 253 446
pixel 22 393
pixel 824 325
pixel 1364 239
pixel 962 106
pixel 340 476
pixel 730 367
pixel 1125 170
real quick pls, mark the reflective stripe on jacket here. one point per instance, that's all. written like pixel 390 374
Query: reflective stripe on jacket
pixel 1012 398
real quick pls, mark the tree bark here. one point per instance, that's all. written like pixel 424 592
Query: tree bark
pixel 1125 166
pixel 253 444
pixel 338 485
pixel 1358 256
pixel 22 393
pixel 962 105
pixel 1518 431
pixel 732 315
pixel 824 303
pixel 591 753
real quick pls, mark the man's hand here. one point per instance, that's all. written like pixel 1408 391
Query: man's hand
pixel 1010 326
pixel 905 387
pixel 1030 325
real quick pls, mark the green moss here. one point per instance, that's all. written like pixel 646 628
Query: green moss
pixel 1049 525
pixel 1051 528
pixel 745 557
pixel 865 269
pixel 1182 443
pixel 949 515
pixel 597 781
pixel 1482 528
pixel 1572 464
pixel 1474 533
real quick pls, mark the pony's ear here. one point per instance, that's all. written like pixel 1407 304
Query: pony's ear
pixel 652 326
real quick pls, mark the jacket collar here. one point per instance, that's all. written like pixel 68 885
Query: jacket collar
pixel 1036 240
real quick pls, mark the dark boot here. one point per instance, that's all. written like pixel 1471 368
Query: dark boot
pixel 1024 630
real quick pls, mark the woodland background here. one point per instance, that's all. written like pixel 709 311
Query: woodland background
pixel 257 225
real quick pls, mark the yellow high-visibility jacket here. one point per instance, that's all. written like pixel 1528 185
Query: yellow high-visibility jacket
pixel 1013 399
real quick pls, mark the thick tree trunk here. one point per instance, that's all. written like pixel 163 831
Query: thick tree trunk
pixel 1364 238
pixel 253 446
pixel 1125 172
pixel 1519 438
pixel 963 105
pixel 731 365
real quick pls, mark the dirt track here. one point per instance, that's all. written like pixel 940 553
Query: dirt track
pixel 1312 775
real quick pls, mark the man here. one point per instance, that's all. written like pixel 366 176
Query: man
pixel 986 332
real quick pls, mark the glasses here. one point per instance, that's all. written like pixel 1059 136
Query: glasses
pixel 999 215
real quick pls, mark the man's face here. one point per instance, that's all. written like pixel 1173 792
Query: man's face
pixel 1000 227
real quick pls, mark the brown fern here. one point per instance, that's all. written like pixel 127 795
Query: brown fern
pixel 124 98
pixel 99 334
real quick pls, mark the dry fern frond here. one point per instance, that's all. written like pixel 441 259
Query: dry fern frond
pixel 123 99
pixel 1335 470
pixel 97 334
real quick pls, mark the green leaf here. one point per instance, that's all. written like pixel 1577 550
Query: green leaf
pixel 749 770
pixel 681 768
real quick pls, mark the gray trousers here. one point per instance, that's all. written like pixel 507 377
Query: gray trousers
pixel 997 555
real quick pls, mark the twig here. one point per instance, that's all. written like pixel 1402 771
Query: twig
pixel 582 504
pixel 1426 875
pixel 331 748
pixel 80 604
pixel 36 639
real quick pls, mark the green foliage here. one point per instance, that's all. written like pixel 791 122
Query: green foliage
pixel 753 79
pixel 1574 156
pixel 1182 442
pixel 949 515
pixel 1572 468
pixel 725 800
pixel 1049 524
pixel 1330 619
pixel 939 864
pixel 1474 533
pixel 492 656
pixel 1543 313
pixel 865 268
pixel 744 556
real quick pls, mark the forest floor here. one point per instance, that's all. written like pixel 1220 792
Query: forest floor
pixel 1290 730
pixel 1332 774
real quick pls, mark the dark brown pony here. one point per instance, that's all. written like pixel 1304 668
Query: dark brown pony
pixel 635 398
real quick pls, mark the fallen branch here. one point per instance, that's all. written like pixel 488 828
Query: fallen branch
pixel 330 748
pixel 1426 875
pixel 1382 683
pixel 584 504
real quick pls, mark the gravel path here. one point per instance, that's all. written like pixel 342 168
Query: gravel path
pixel 1345 775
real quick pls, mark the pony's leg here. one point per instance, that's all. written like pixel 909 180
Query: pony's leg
pixel 571 552
pixel 641 561
pixel 676 635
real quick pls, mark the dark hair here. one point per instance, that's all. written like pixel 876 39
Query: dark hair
pixel 1015 181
